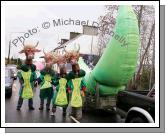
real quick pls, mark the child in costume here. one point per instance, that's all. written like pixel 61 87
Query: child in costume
pixel 46 80
pixel 27 76
pixel 61 94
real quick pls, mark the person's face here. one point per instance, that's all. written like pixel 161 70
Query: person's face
pixel 74 58
pixel 76 68
pixel 29 54
pixel 49 60
pixel 61 63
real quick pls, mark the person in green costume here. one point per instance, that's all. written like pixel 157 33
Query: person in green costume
pixel 60 97
pixel 76 88
pixel 77 84
pixel 46 80
pixel 61 94
pixel 27 76
pixel 72 57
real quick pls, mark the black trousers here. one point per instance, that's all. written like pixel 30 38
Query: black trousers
pixel 20 102
pixel 47 104
pixel 54 109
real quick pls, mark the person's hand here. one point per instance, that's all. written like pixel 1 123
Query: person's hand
pixel 36 83
pixel 83 94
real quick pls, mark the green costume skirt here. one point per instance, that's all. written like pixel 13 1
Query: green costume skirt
pixel 46 93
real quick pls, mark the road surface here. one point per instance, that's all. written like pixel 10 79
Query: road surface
pixel 37 116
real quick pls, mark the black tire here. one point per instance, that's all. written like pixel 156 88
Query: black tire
pixel 85 107
pixel 138 120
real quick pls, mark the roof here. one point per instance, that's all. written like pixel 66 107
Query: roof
pixel 85 42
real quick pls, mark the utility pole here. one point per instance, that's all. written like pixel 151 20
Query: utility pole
pixel 8 61
pixel 91 48
pixel 9 53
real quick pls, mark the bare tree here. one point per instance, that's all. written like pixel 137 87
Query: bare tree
pixel 106 24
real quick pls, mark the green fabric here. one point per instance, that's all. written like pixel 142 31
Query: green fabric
pixel 90 83
pixel 82 84
pixel 118 62
pixel 47 71
pixel 26 68
pixel 27 89
pixel 76 98
pixel 46 93
pixel 108 90
pixel 61 97
pixel 72 75
pixel 47 78
pixel 83 65
pixel 47 82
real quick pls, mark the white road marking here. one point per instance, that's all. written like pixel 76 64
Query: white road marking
pixel 76 121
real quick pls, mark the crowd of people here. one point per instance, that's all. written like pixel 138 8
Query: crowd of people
pixel 70 87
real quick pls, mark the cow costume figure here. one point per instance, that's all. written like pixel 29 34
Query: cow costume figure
pixel 46 80
pixel 60 97
pixel 27 76
pixel 76 84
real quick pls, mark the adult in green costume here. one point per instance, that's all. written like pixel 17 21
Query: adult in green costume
pixel 73 57
pixel 27 76
pixel 77 88
pixel 46 80
pixel 76 84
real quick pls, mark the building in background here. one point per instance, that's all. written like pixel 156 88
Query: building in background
pixel 87 40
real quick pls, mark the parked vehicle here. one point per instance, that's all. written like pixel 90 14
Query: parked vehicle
pixel 134 106
pixel 9 79
pixel 14 70
pixel 137 106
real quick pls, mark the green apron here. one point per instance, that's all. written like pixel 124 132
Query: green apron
pixel 47 82
pixel 46 89
pixel 61 98
pixel 27 92
pixel 76 98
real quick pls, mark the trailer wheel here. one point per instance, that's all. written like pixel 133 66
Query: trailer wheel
pixel 137 120
pixel 85 107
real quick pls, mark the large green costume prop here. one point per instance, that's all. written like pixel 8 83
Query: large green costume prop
pixel 118 62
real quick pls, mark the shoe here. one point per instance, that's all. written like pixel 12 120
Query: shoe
pixel 18 108
pixel 52 114
pixel 47 109
pixel 40 108
pixel 31 108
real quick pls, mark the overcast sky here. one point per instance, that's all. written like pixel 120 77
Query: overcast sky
pixel 20 19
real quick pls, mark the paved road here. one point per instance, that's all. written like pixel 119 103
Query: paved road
pixel 37 116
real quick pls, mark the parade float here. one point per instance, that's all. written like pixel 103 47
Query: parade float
pixel 118 63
